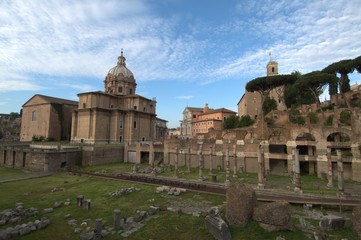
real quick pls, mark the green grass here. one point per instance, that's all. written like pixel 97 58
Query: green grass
pixel 11 173
pixel 168 225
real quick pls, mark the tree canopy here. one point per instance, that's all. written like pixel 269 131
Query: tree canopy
pixel 237 122
pixel 264 84
pixel 343 67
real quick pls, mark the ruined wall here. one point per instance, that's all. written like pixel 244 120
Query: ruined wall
pixel 102 155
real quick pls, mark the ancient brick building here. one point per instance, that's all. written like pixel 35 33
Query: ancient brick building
pixel 116 115
pixel 45 117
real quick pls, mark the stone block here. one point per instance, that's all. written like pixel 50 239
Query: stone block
pixel 216 226
pixel 329 222
pixel 274 216
pixel 240 201
pixel 356 220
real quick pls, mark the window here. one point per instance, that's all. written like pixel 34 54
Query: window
pixel 194 116
pixel 121 124
pixel 135 124
pixel 144 109
pixel 130 91
pixel 84 105
pixel 120 89
pixel 273 69
pixel 33 116
pixel 143 139
pixel 135 107
pixel 120 138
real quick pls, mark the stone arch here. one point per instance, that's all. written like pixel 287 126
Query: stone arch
pixel 338 137
pixel 305 136
pixel 343 131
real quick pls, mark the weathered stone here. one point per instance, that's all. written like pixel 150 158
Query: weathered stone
pixel 116 219
pixel 153 210
pixel 329 222
pixel 48 210
pixel 72 222
pixel 240 201
pixel 24 230
pixel 57 204
pixel 87 236
pixel 274 216
pixel 77 230
pixel 98 229
pixel 356 220
pixel 86 204
pixel 216 226
pixel 79 200
pixel 66 216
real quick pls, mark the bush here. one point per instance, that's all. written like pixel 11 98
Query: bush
pixel 245 121
pixel 37 138
pixel 328 121
pixel 295 117
pixel 313 117
pixel 345 117
pixel 269 104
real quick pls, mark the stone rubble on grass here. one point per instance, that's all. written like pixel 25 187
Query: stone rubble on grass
pixel 23 229
pixel 17 214
pixel 57 189
pixel 123 191
pixel 170 190
pixel 216 226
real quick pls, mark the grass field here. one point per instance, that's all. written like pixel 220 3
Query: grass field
pixel 168 225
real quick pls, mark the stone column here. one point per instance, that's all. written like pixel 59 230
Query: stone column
pixel 98 229
pixel 176 170
pixel 329 169
pixel 340 173
pixel 210 160
pixel 227 166
pixel 296 170
pixel 189 160
pixel 241 155
pixel 151 154
pixel 200 164
pixel 116 219
pixel 138 154
pixel 79 200
pixel 261 175
pixel 235 162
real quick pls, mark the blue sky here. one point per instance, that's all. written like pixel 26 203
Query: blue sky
pixel 183 52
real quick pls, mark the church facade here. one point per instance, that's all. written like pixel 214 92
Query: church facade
pixel 117 115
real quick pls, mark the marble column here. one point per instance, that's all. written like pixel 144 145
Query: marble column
pixel 261 173
pixel 189 161
pixel 235 162
pixel 329 169
pixel 176 170
pixel 296 170
pixel 227 166
pixel 200 164
pixel 210 160
pixel 340 184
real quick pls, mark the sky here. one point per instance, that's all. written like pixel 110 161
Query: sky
pixel 182 52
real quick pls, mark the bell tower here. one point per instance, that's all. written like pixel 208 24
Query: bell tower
pixel 272 66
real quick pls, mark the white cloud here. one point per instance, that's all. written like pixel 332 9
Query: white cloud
pixel 84 38
pixel 185 97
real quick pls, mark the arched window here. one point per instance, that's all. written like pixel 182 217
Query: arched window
pixel 33 116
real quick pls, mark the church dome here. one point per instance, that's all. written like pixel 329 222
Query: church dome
pixel 121 69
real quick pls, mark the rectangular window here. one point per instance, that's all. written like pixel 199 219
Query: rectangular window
pixel 121 124
pixel 135 107
pixel 120 89
pixel 120 138
pixel 130 91
pixel 135 124
pixel 33 116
